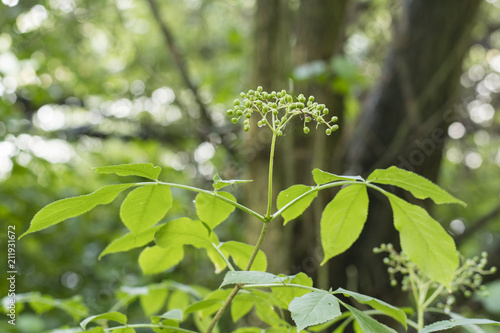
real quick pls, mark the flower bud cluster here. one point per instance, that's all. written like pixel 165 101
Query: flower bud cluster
pixel 276 109
pixel 468 277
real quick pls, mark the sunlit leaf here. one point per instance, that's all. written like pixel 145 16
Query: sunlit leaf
pixel 64 209
pixel 425 241
pixel 155 259
pixel 343 220
pixel 314 308
pixel 296 209
pixel 130 241
pixel 145 206
pixel 213 210
pixel 419 186
pixel 146 170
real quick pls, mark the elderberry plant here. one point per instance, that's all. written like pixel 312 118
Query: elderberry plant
pixel 170 304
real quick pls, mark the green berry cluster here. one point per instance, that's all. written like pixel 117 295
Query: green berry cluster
pixel 468 277
pixel 276 109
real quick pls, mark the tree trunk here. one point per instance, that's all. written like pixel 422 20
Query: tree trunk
pixel 404 121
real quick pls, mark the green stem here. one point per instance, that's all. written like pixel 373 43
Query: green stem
pixel 436 293
pixel 231 268
pixel 237 288
pixel 312 190
pixel 199 190
pixel 270 180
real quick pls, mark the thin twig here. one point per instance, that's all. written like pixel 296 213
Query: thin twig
pixel 180 61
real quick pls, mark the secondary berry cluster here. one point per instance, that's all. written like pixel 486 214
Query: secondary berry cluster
pixel 276 109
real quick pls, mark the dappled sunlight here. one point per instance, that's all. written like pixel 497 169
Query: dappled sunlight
pixel 32 19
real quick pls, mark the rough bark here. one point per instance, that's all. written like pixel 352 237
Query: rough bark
pixel 404 120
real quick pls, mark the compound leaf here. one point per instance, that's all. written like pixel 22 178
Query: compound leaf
pixel 419 186
pixel 285 295
pixel 425 241
pixel 153 301
pixel 145 206
pixel 343 219
pixel 146 170
pixel 296 209
pixel 66 208
pixel 314 308
pixel 213 210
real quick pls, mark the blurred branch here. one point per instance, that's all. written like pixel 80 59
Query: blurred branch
pixel 478 225
pixel 180 61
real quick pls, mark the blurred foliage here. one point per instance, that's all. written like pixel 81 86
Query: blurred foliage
pixel 90 83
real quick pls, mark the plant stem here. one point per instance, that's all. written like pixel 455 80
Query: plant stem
pixel 237 288
pixel 263 231
pixel 270 180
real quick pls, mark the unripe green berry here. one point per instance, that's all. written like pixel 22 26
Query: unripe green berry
pixel 306 130
pixel 234 120
pixel 307 119
pixel 300 105
pixel 263 121
pixel 230 112
pixel 248 104
pixel 335 127
pixel 311 99
pixel 236 102
pixel 275 112
pixel 248 115
pixel 283 93
pixel 242 94
pixel 265 109
pixel 246 128
pixel 250 92
pixel 246 122
pixel 279 133
pixel 239 113
pixel 328 131
pixel 273 94
pixel 259 104
pixel 394 283
pixel 289 98
pixel 334 119
pixel 276 122
pixel 301 98
pixel 265 95
pixel 259 88
pixel 325 111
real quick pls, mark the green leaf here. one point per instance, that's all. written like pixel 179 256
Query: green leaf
pixel 240 306
pixel 377 304
pixel 185 231
pixel 425 241
pixel 367 323
pixel 174 314
pixel 42 303
pixel 343 219
pixel 251 277
pixel 322 177
pixel 115 316
pixel 284 296
pixel 448 324
pixel 314 308
pixel 146 170
pixel 213 210
pixel 130 241
pixel 145 206
pixel 296 209
pixel 179 299
pixel 93 330
pixel 219 183
pixel 155 259
pixel 64 209
pixel 153 301
pixel 241 252
pixel 419 186
pixel 124 330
